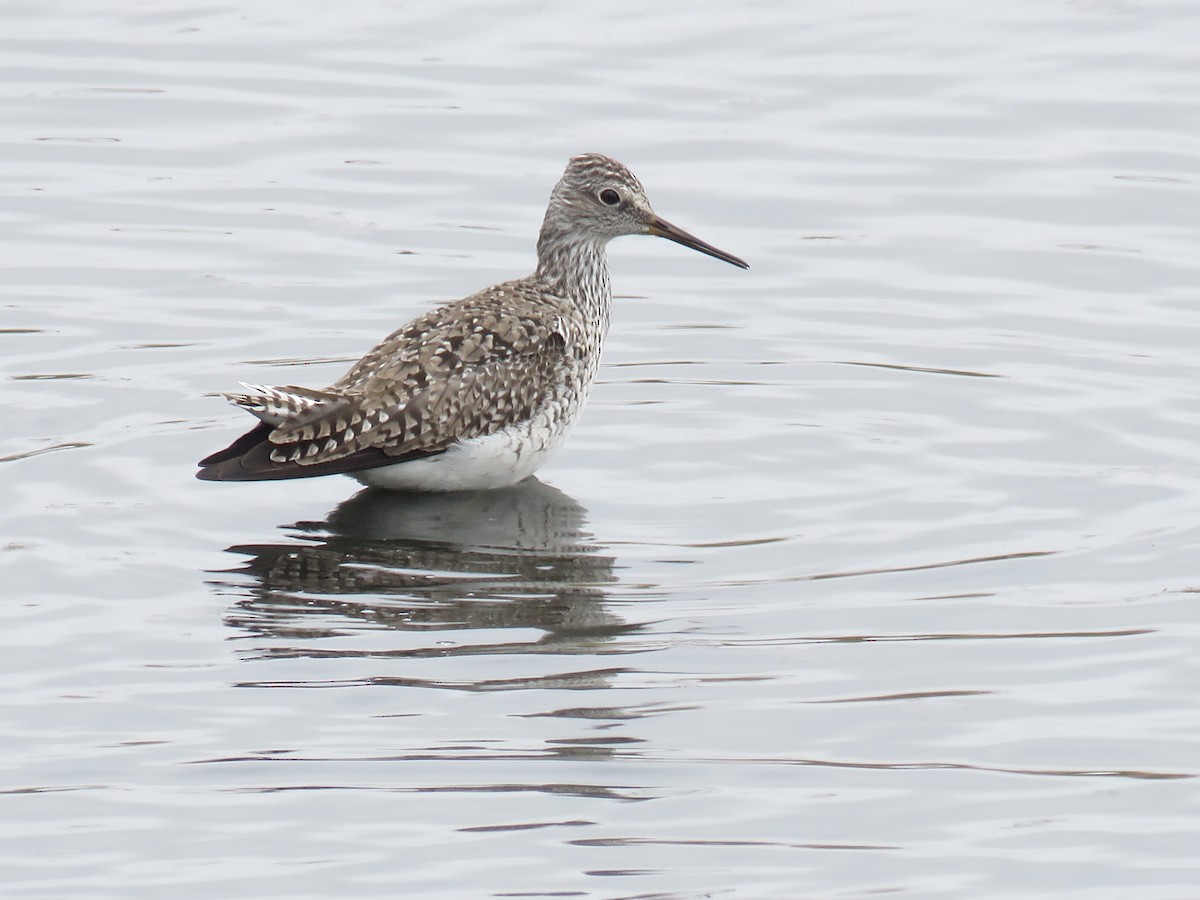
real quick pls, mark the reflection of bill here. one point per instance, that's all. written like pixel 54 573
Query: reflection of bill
pixel 511 558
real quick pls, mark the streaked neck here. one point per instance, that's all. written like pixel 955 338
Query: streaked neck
pixel 577 268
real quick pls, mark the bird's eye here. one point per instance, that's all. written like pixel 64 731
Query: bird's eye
pixel 609 197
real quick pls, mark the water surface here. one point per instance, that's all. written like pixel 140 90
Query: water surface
pixel 871 569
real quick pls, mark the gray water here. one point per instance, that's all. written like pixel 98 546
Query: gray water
pixel 869 570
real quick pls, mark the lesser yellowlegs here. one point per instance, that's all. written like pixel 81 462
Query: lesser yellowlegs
pixel 477 393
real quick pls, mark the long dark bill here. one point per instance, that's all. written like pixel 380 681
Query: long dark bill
pixel 663 228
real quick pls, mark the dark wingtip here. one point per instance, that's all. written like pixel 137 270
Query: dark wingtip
pixel 247 441
pixel 210 473
pixel 249 459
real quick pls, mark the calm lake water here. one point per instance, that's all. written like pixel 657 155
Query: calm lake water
pixel 870 570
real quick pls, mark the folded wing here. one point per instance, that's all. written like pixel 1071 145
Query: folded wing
pixel 465 370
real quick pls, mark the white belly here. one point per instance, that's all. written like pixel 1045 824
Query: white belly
pixel 483 463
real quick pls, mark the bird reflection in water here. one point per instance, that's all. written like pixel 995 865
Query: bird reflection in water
pixel 516 558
